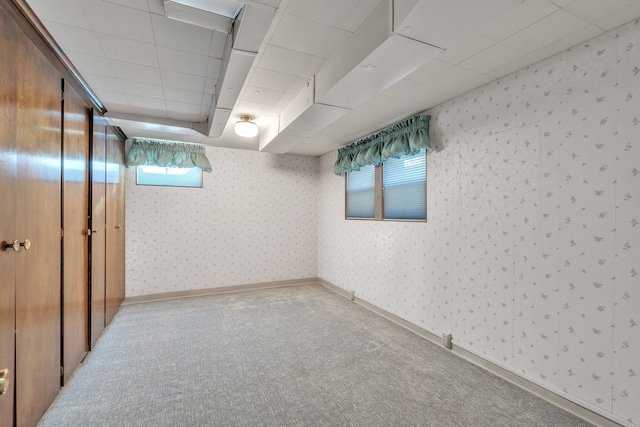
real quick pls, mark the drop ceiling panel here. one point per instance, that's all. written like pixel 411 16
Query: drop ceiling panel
pixel 143 89
pixel 284 60
pixel 591 10
pixel 116 20
pixel 184 81
pixel 515 19
pixel 67 12
pixel 262 113
pixel 136 4
pixel 210 86
pixel 229 8
pixel 268 79
pixel 156 7
pixel 139 62
pixel 262 95
pixel 314 119
pixel 110 97
pixel 91 64
pixel 331 13
pixel 74 39
pixel 136 72
pixel 399 88
pixel 463 78
pixel 185 96
pixel 428 72
pixel 192 111
pixel 285 100
pixel 447 23
pixel 179 35
pixel 178 60
pixel 144 102
pixel 515 65
pixel 376 72
pixel 298 84
pixel 254 24
pixel 218 41
pixel 569 41
pixel 462 50
pixel 621 17
pixel 308 37
pixel 213 68
pixel 492 58
pixel 547 31
pixel 97 81
pixel 359 14
pixel 562 3
pixel 128 50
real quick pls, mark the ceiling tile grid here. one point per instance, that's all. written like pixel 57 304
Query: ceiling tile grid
pixel 138 61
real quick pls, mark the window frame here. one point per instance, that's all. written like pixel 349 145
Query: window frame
pixel 171 186
pixel 378 207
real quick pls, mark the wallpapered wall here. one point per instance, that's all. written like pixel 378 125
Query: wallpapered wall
pixel 531 253
pixel 254 221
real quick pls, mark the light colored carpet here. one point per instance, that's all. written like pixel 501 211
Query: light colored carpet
pixel 293 356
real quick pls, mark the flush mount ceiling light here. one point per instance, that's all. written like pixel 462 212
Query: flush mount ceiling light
pixel 245 127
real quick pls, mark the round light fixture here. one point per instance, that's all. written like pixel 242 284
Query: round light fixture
pixel 245 127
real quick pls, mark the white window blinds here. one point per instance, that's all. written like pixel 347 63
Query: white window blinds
pixel 405 195
pixel 360 192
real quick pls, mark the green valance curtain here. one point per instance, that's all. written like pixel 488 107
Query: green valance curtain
pixel 168 154
pixel 402 139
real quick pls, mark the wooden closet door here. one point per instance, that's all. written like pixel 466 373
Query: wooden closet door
pixel 115 275
pixel 8 37
pixel 75 244
pixel 98 228
pixel 37 210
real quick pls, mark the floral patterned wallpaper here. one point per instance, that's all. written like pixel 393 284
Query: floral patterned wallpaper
pixel 254 221
pixel 531 253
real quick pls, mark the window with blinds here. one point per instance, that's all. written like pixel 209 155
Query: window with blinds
pixel 169 177
pixel 360 192
pixel 403 195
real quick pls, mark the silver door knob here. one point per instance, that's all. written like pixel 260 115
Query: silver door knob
pixel 4 381
pixel 15 245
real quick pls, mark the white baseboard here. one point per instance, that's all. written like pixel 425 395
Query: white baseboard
pixel 566 402
pixel 218 290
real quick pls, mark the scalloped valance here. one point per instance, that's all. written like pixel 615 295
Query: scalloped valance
pixel 167 154
pixel 402 139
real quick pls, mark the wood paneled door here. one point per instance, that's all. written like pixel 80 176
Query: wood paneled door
pixel 8 38
pixel 37 208
pixel 75 244
pixel 115 191
pixel 98 226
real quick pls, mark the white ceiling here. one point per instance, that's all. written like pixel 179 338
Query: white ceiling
pixel 150 70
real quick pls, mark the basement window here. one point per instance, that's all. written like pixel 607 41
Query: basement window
pixel 395 190
pixel 169 177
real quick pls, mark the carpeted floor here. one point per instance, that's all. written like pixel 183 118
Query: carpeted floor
pixel 292 356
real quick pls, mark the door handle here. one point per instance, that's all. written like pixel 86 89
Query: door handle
pixel 4 381
pixel 118 226
pixel 16 245
pixel 87 232
pixel 94 231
